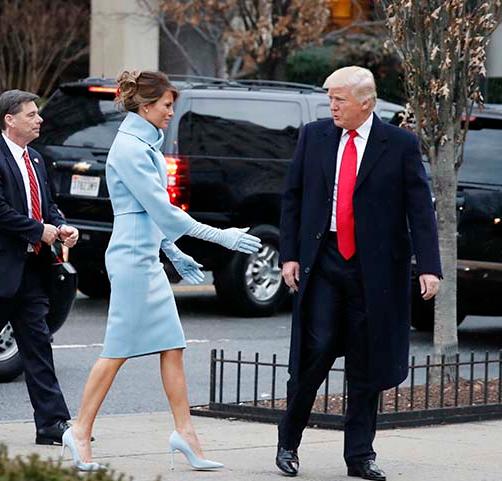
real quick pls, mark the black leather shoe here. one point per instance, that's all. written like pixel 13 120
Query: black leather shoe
pixel 366 470
pixel 287 461
pixel 52 435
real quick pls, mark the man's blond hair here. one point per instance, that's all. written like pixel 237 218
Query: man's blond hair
pixel 360 80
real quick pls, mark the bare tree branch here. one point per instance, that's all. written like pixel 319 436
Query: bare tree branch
pixel 261 31
pixel 39 40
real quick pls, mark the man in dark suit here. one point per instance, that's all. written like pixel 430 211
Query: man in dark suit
pixel 356 190
pixel 29 223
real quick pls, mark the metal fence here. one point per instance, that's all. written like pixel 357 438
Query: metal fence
pixel 463 390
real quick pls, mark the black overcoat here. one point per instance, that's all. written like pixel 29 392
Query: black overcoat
pixel 392 201
pixel 16 228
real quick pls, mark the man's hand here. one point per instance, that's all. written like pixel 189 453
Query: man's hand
pixel 50 234
pixel 68 235
pixel 291 274
pixel 429 286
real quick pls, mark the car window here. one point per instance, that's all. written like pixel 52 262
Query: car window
pixel 385 115
pixel 246 128
pixel 80 120
pixel 482 156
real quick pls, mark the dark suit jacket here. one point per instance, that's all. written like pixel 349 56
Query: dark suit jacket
pixel 392 200
pixel 16 228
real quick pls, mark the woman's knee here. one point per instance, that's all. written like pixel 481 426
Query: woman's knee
pixel 172 355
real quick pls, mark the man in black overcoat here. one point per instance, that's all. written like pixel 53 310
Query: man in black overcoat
pixel 356 206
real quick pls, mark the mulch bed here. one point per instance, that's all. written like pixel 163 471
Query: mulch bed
pixel 453 395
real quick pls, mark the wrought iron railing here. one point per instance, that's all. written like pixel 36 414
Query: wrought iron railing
pixel 444 391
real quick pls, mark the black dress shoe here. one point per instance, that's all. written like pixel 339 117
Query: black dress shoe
pixel 52 435
pixel 287 461
pixel 366 470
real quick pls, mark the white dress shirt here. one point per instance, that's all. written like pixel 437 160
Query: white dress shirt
pixel 17 152
pixel 360 141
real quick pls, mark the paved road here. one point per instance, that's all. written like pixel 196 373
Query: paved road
pixel 138 388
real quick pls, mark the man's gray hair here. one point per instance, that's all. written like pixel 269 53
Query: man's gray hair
pixel 11 102
pixel 360 80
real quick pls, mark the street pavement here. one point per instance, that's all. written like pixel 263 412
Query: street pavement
pixel 136 444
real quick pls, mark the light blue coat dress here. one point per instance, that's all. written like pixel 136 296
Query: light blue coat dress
pixel 142 316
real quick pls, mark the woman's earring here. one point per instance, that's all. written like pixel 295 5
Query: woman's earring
pixel 146 110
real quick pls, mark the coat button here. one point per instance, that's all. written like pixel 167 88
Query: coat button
pixel 318 235
pixel 307 270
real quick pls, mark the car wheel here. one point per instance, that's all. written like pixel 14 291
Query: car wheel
pixel 422 314
pixel 252 285
pixel 94 284
pixel 11 365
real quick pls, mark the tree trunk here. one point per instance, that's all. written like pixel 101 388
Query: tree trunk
pixel 272 69
pixel 445 190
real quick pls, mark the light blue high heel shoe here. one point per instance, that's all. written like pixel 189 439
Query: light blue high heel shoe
pixel 177 443
pixel 69 442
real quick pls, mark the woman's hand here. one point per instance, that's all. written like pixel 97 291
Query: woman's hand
pixel 237 240
pixel 188 268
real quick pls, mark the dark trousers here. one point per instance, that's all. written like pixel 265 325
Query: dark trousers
pixel 334 315
pixel 26 312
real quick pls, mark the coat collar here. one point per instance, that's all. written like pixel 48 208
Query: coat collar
pixel 136 125
pixel 374 148
pixel 11 162
pixel 329 145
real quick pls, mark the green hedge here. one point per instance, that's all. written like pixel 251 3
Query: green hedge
pixel 33 468
pixel 314 64
pixel 494 93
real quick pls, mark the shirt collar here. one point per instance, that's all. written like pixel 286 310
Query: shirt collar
pixel 136 125
pixel 16 151
pixel 363 130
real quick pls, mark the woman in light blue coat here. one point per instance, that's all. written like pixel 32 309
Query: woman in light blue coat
pixel 142 317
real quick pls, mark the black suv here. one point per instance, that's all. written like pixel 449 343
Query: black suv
pixel 227 150
pixel 479 216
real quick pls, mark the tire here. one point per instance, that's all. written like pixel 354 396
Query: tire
pixel 11 365
pixel 61 298
pixel 422 314
pixel 94 283
pixel 252 285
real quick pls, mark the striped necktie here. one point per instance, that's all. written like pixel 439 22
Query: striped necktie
pixel 36 210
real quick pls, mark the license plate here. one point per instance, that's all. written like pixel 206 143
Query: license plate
pixel 85 185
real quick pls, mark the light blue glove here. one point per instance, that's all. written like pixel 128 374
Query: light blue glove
pixel 231 238
pixel 184 264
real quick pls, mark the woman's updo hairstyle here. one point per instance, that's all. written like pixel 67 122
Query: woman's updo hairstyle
pixel 137 88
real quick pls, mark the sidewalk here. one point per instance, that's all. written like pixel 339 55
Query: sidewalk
pixel 137 445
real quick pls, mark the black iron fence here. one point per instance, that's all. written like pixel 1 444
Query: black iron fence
pixel 434 392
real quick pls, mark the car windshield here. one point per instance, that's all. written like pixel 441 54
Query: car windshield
pixel 80 119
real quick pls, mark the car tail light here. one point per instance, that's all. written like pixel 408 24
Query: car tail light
pixel 472 118
pixel 102 90
pixel 178 180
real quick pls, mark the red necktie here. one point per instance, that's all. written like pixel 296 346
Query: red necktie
pixel 344 207
pixel 36 211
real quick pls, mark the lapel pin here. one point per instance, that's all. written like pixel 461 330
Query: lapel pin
pixel 35 160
